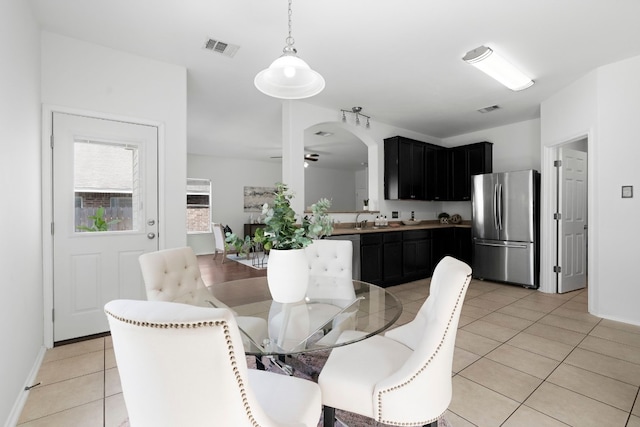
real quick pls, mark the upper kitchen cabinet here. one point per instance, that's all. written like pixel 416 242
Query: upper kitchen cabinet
pixel 404 169
pixel 439 172
pixel 415 170
pixel 466 161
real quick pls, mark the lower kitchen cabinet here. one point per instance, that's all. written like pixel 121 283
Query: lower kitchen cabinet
pixel 395 257
pixel 416 253
pixel 392 258
pixel 371 258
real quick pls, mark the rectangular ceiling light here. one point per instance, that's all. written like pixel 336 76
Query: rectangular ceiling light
pixel 486 60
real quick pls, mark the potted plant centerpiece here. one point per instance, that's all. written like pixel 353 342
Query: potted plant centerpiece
pixel 285 239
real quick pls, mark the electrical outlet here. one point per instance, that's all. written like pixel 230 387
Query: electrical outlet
pixel 394 214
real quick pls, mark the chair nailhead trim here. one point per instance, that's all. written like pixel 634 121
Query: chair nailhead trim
pixel 195 325
pixel 381 392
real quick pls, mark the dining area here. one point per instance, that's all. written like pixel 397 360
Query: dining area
pixel 374 370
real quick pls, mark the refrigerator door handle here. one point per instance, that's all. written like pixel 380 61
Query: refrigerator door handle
pixel 498 245
pixel 499 206
pixel 495 207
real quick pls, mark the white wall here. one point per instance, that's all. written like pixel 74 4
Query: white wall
pixel 515 146
pixel 86 76
pixel 228 178
pixel 21 318
pixel 604 106
pixel 342 184
pixel 616 163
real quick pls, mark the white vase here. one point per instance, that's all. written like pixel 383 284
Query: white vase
pixel 287 275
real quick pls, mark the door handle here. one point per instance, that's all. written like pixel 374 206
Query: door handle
pixel 496 245
pixel 151 236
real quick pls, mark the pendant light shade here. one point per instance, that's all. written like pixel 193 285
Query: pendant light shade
pixel 289 77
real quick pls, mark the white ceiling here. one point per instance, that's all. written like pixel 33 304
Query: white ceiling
pixel 400 60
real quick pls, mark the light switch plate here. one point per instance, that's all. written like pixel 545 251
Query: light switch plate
pixel 394 214
pixel 627 191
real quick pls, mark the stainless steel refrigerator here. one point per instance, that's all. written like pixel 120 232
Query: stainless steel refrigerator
pixel 506 227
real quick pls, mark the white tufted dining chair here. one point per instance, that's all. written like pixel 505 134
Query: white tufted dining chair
pixel 182 365
pixel 402 378
pixel 173 275
pixel 330 275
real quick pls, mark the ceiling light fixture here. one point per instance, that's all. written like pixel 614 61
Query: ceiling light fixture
pixel 289 77
pixel 357 111
pixel 486 60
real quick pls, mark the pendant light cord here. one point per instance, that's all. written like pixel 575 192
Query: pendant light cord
pixel 290 40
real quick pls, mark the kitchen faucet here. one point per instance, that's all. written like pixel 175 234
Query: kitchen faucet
pixel 360 224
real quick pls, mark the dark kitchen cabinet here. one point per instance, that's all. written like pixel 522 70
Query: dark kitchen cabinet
pixel 416 253
pixel 455 242
pixel 371 258
pixel 441 174
pixel 466 161
pixel 463 242
pixel 415 170
pixel 405 168
pixel 392 257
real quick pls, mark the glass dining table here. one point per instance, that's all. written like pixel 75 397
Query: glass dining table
pixel 332 305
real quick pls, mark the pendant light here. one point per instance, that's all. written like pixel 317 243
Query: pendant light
pixel 289 77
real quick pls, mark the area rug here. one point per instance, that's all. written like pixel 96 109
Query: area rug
pixel 258 260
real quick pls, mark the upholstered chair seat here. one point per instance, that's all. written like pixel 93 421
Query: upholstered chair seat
pixel 403 377
pixel 173 275
pixel 183 365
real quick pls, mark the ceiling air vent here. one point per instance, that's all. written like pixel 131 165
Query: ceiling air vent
pixel 488 109
pixel 223 48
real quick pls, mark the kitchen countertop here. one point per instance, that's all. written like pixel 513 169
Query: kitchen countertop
pixel 348 228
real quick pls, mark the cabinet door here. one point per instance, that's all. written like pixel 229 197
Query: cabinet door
pixel 371 258
pixel 462 238
pixel 441 174
pixel 416 258
pixel 443 245
pixel 392 253
pixel 405 173
pixel 460 178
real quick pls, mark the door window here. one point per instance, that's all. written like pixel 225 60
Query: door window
pixel 105 182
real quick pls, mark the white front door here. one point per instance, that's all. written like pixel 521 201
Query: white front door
pixel 572 230
pixel 105 213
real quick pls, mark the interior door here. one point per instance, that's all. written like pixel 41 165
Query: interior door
pixel 105 210
pixel 572 227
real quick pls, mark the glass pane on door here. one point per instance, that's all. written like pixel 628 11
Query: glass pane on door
pixel 106 177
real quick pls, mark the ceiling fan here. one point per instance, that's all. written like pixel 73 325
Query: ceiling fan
pixel 312 157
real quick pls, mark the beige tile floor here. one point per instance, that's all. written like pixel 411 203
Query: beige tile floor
pixel 523 358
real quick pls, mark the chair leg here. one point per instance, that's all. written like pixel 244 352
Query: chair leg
pixel 329 416
pixel 433 424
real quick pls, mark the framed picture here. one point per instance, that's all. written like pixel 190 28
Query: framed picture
pixel 255 197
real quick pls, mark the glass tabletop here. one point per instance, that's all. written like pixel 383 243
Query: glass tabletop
pixel 332 305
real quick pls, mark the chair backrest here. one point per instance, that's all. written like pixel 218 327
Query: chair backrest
pixel 424 382
pixel 172 275
pixel 218 236
pixel 182 365
pixel 330 258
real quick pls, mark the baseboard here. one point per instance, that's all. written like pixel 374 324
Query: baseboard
pixel 21 399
